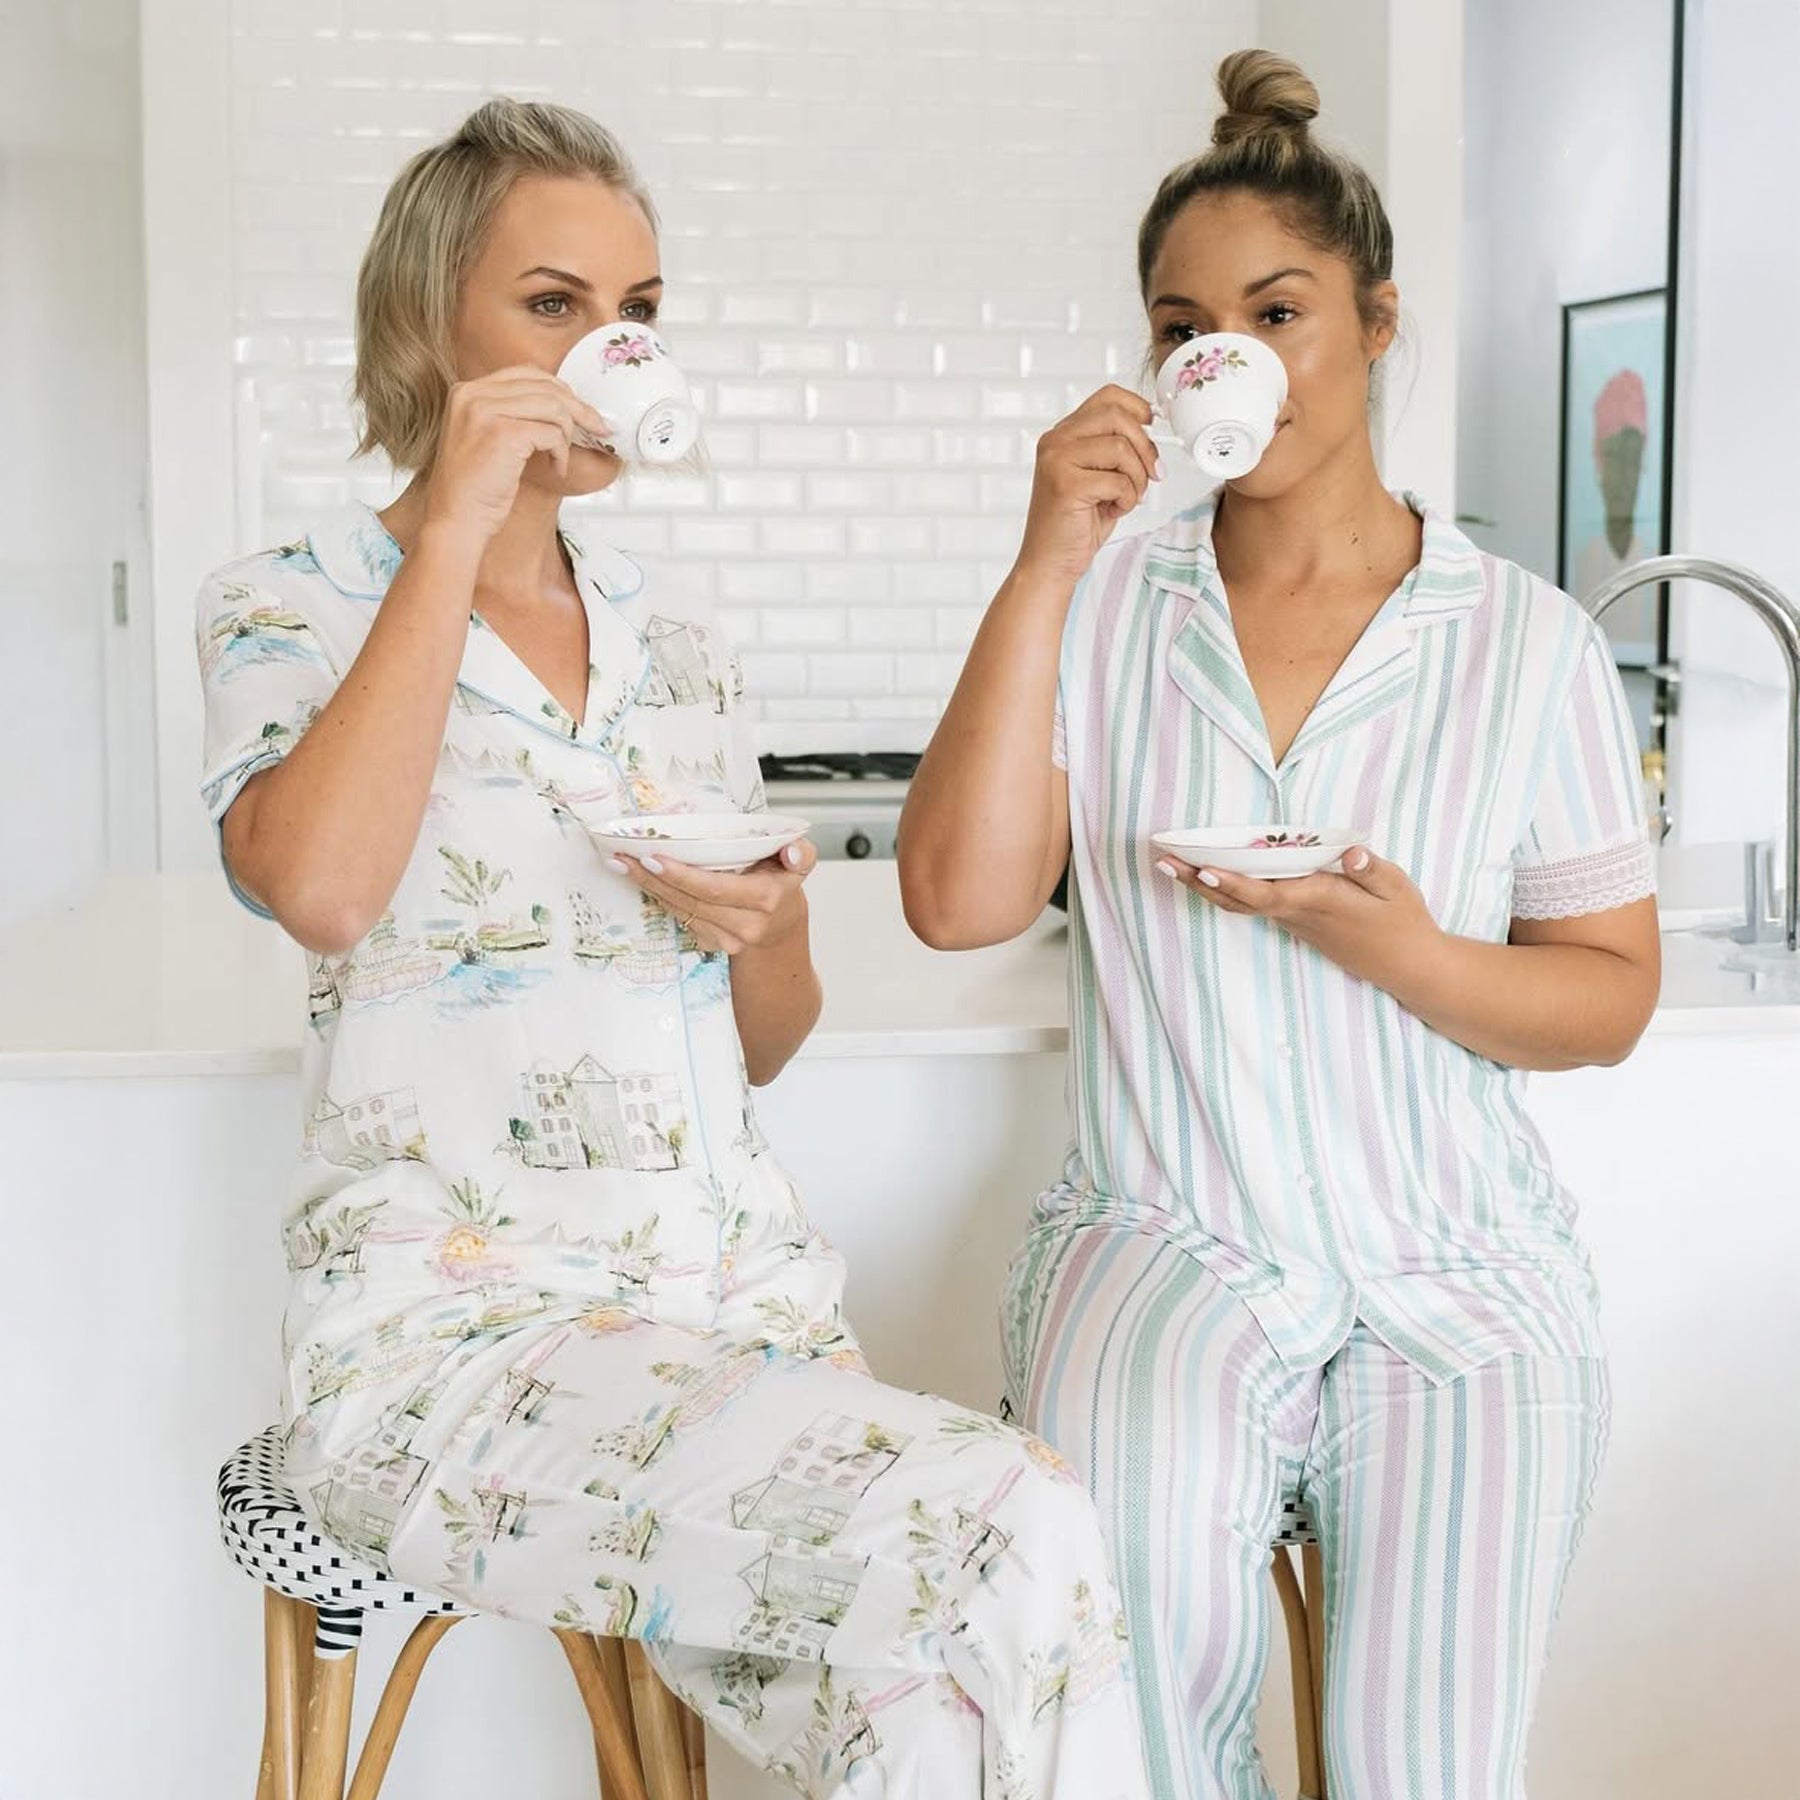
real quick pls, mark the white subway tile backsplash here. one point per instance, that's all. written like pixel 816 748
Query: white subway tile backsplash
pixel 848 491
pixel 704 539
pixel 935 581
pixel 760 581
pixel 849 673
pixel 760 491
pixel 853 583
pixel 787 536
pixel 769 673
pixel 942 398
pixel 937 491
pixel 801 446
pixel 898 235
pixel 801 627
pixel 892 537
pixel 760 399
pixel 890 628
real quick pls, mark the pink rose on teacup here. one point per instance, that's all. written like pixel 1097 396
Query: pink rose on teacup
pixel 632 350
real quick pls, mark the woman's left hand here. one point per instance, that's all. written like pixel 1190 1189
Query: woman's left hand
pixel 1370 920
pixel 753 910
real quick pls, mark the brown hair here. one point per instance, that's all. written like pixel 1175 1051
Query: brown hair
pixel 1262 143
pixel 432 226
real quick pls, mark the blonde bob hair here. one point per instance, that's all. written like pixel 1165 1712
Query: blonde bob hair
pixel 432 226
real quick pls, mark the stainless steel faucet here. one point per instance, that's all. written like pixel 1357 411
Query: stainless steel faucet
pixel 1782 617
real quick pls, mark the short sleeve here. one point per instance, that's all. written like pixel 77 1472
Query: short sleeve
pixel 1059 734
pixel 1586 848
pixel 265 678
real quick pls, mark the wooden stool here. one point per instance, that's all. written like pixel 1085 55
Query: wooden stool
pixel 647 1744
pixel 1304 1610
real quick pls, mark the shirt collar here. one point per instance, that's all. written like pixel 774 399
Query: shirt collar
pixel 360 558
pixel 1447 583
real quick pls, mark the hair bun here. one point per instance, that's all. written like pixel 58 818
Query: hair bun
pixel 1263 94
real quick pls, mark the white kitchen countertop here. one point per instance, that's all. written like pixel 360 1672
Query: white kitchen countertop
pixel 168 975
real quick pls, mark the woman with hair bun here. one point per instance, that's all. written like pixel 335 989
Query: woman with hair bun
pixel 1307 1246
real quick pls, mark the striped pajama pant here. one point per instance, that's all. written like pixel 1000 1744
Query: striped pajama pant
pixel 1447 1517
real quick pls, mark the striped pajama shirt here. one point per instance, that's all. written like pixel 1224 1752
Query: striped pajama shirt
pixel 1304 1246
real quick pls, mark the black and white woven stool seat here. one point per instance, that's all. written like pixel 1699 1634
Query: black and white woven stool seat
pixel 272 1540
pixel 1296 1527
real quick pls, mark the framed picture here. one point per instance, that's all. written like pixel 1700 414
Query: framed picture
pixel 1615 458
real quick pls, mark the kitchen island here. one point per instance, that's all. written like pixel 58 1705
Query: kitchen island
pixel 148 1104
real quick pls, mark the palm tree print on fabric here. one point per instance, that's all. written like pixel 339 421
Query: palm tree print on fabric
pixel 253 632
pixel 485 941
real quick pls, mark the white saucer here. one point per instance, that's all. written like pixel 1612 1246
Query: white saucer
pixel 726 842
pixel 1241 849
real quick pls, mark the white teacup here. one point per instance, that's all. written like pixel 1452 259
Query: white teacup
pixel 1221 395
pixel 626 374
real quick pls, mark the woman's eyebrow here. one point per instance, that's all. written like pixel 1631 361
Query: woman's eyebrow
pixel 1256 287
pixel 575 281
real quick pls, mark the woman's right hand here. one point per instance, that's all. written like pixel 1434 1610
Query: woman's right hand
pixel 1092 469
pixel 493 426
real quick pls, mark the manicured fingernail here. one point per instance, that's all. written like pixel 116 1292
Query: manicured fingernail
pixel 1359 860
pixel 1208 878
pixel 791 856
pixel 652 865
pixel 621 865
pixel 1168 869
pixel 1159 469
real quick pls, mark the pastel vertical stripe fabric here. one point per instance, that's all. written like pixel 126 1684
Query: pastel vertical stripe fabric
pixel 1325 1154
pixel 1447 1515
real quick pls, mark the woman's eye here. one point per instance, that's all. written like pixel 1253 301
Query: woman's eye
pixel 644 311
pixel 1178 333
pixel 551 306
pixel 1278 314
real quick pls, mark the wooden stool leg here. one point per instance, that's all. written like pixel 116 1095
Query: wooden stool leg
pixel 610 1652
pixel 614 1746
pixel 327 1752
pixel 693 1735
pixel 396 1697
pixel 660 1737
pixel 285 1622
pixel 1300 1663
pixel 1312 1566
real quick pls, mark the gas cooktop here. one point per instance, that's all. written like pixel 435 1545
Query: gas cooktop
pixel 852 797
pixel 842 765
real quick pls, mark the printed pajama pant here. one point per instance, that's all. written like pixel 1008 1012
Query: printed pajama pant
pixel 865 1591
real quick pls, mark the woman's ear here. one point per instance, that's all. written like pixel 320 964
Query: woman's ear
pixel 1383 315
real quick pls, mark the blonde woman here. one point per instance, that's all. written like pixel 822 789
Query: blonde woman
pixel 561 1343
pixel 1307 1244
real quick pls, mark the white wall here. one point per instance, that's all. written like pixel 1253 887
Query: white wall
pixel 1390 79
pixel 1738 454
pixel 76 791
pixel 1567 198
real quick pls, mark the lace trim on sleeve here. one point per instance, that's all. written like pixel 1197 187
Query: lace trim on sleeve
pixel 1597 881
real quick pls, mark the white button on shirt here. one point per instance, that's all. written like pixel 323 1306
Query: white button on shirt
pixel 1477 736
